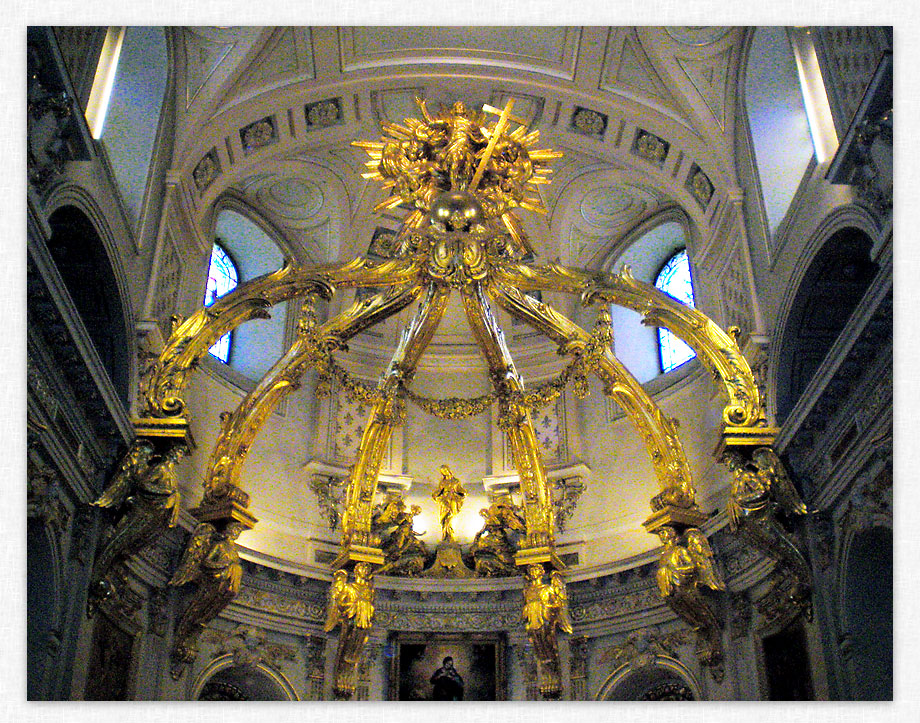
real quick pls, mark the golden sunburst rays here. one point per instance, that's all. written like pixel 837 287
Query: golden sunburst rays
pixel 459 149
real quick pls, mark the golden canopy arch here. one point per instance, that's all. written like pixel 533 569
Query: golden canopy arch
pixel 462 177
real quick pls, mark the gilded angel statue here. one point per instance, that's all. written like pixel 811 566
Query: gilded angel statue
pixel 761 488
pixel 546 608
pixel 146 489
pixel 701 552
pixel 351 607
pixel 757 484
pixel 351 604
pixel 684 568
pixel 778 482
pixel 210 560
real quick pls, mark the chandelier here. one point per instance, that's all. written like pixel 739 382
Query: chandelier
pixel 462 174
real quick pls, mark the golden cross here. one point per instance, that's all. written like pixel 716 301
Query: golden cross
pixel 503 117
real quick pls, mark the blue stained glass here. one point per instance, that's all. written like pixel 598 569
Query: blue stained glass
pixel 222 278
pixel 674 280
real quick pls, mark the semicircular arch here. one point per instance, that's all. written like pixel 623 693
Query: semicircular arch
pixel 630 680
pixel 272 677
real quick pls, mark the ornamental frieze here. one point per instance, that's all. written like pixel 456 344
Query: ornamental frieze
pixel 282 605
pixel 630 604
pixel 445 620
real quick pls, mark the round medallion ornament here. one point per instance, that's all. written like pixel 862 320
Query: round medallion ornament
pixel 456 211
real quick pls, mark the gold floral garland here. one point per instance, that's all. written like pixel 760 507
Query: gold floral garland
pixel 451 407
pixel 461 408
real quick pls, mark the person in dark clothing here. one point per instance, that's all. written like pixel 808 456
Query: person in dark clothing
pixel 448 685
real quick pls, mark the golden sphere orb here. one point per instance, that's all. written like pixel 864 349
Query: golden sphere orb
pixel 456 211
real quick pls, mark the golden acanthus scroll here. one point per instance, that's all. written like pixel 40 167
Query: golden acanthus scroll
pixel 462 176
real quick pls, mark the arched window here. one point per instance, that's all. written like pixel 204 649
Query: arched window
pixel 674 280
pixel 222 278
pixel 650 257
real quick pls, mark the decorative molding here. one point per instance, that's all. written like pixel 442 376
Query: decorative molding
pixel 202 58
pixel 709 76
pixel 259 134
pixel 628 72
pixel 206 170
pixel 286 56
pixel 587 122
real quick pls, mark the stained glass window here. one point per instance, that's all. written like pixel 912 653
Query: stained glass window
pixel 222 278
pixel 674 280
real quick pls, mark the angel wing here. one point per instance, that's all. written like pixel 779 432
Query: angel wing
pixel 336 607
pixel 332 615
pixel 781 486
pixel 558 585
pixel 136 459
pixel 701 552
pixel 665 583
pixel 197 548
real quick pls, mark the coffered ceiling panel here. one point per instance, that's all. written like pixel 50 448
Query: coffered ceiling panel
pixel 545 50
pixel 287 56
pixel 629 72
pixel 205 49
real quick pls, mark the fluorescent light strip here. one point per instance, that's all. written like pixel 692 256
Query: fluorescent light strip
pixel 817 108
pixel 103 82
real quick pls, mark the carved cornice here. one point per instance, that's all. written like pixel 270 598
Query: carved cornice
pixel 53 318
